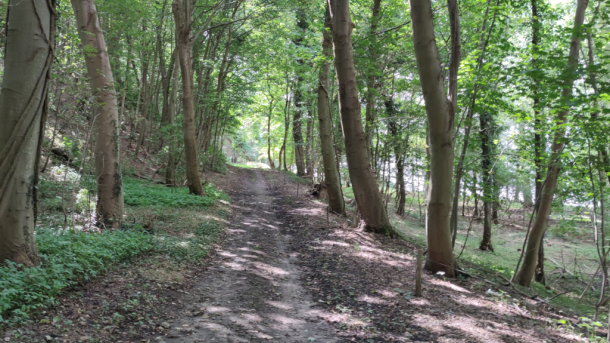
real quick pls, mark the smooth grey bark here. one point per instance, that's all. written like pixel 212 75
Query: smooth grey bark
pixel 182 18
pixel 526 273
pixel 440 111
pixel 106 121
pixel 331 173
pixel 364 182
pixel 23 107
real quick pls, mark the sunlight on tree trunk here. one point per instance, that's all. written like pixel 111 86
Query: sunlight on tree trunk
pixel 331 174
pixel 105 123
pixel 368 198
pixel 440 110
pixel 23 108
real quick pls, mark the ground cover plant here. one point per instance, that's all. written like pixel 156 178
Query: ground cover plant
pixel 72 257
pixel 147 193
pixel 68 258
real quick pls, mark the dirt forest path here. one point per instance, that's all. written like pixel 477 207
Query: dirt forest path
pixel 287 272
pixel 251 291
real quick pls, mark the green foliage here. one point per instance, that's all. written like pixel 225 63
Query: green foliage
pixel 215 161
pixel 72 148
pixel 143 193
pixel 67 259
pixel 193 247
pixel 296 179
pixel 564 229
pixel 63 188
pixel 586 327
pixel 128 170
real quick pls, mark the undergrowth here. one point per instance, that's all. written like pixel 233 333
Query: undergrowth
pixel 193 247
pixel 146 193
pixel 186 232
pixel 294 178
pixel 67 258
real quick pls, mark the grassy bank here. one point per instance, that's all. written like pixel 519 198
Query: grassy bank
pixel 160 224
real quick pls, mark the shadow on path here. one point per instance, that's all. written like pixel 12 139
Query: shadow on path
pixel 251 291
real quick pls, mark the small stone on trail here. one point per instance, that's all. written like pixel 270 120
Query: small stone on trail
pixel 48 338
pixel 165 325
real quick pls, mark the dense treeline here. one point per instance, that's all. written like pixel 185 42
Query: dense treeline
pixel 474 107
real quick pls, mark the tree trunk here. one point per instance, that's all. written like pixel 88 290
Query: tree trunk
pixel 464 201
pixel 30 32
pixel 525 274
pixel 170 169
pixel 271 164
pixel 486 137
pixel 331 173
pixel 105 124
pixel 368 198
pixel 538 147
pixel 309 164
pixel 538 143
pixel 400 179
pixel 475 212
pixel 279 165
pixel 440 110
pixel 297 132
pixel 483 41
pixel 458 178
pixel 182 17
pixel 371 86
pixel 397 143
pixel 539 274
pixel 145 106
pixel 495 203
pixel 286 122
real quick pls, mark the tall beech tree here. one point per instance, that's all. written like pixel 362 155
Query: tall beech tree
pixel 331 173
pixel 440 110
pixel 486 135
pixel 183 19
pixel 364 182
pixel 106 118
pixel 526 273
pixel 299 101
pixel 23 108
pixel 538 144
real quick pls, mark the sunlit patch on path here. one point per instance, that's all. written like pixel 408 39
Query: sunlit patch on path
pixel 251 291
